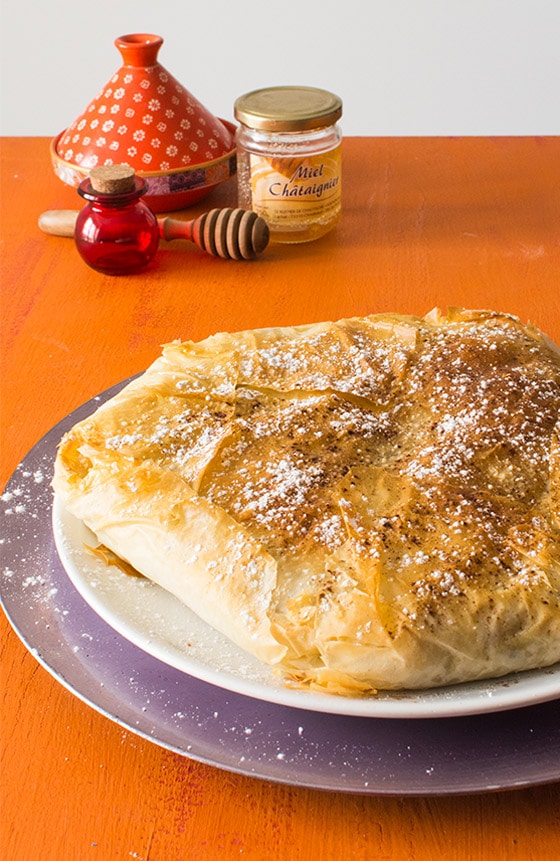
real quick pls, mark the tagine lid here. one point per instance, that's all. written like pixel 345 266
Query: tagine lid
pixel 145 118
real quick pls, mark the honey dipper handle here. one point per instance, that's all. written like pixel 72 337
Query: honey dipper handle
pixel 174 228
pixel 61 222
pixel 58 222
pixel 234 234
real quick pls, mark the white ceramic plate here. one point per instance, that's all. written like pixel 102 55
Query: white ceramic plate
pixel 161 625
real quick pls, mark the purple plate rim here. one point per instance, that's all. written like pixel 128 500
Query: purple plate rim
pixel 277 743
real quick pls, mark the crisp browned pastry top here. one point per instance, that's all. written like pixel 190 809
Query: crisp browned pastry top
pixel 373 503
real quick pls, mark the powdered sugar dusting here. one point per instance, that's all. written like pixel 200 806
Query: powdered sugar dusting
pixel 409 447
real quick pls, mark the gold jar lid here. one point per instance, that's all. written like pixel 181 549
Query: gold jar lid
pixel 288 109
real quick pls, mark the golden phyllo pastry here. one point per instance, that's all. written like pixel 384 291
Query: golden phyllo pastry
pixel 368 504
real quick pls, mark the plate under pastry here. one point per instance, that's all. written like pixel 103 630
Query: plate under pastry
pixel 369 755
pixel 160 624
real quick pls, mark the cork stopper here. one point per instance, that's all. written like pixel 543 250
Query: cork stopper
pixel 112 179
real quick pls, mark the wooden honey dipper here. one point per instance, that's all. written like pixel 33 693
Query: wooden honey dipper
pixel 234 234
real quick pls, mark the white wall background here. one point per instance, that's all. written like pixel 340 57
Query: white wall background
pixel 402 67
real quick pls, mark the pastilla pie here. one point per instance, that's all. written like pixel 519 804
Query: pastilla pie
pixel 367 504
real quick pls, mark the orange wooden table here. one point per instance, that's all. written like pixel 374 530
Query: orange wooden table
pixel 471 222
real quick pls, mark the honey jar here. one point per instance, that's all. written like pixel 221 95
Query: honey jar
pixel 289 160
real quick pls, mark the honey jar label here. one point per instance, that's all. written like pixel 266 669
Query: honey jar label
pixel 296 191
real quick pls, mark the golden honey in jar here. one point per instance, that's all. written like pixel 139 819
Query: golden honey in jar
pixel 289 160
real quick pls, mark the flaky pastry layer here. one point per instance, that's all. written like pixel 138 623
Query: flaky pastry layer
pixel 367 504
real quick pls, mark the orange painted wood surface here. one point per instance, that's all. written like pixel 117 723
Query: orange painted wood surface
pixel 456 221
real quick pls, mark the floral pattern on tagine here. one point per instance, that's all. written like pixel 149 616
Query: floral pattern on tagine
pixel 145 118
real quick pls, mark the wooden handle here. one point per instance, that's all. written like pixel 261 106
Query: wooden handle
pixel 234 234
pixel 58 222
pixel 174 228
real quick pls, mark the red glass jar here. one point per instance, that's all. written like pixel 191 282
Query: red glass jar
pixel 116 232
